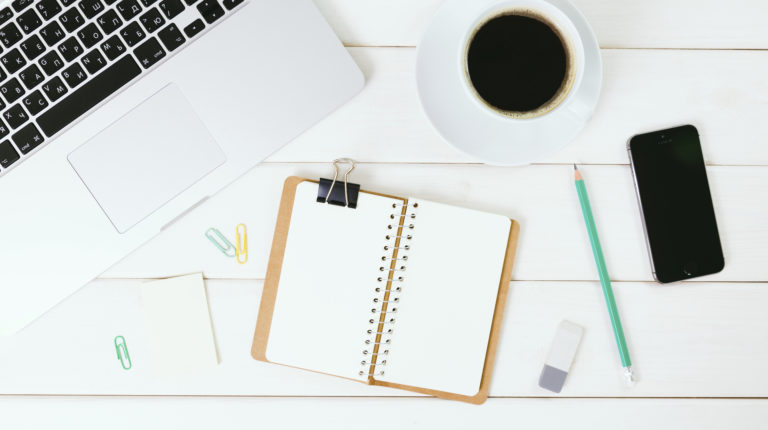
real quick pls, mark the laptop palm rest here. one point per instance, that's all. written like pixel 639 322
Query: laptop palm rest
pixel 146 158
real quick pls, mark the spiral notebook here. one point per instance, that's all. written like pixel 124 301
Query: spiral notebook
pixel 397 292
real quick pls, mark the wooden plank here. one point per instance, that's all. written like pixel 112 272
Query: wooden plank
pixel 617 24
pixel 722 92
pixel 553 241
pixel 689 340
pixel 249 413
pixel 70 350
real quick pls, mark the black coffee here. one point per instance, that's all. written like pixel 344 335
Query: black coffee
pixel 517 63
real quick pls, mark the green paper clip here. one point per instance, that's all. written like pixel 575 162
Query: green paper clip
pixel 122 352
pixel 220 242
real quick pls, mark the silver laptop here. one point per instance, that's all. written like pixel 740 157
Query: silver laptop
pixel 119 116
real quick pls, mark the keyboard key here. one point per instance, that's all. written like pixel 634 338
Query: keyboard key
pixel 54 89
pixel 4 130
pixel 52 33
pixel 231 4
pixel 68 2
pixel 109 21
pixel 8 154
pixel 31 76
pixel 10 34
pixel 71 20
pixel 171 37
pixel 74 75
pixel 29 21
pixel 15 117
pixel 32 47
pixel 91 8
pixel 48 8
pixel 5 15
pixel 93 61
pixel 149 53
pixel 128 9
pixel 3 75
pixel 70 49
pixel 90 35
pixel 211 10
pixel 89 95
pixel 51 63
pixel 28 138
pixel 11 90
pixel 19 5
pixel 35 102
pixel 152 20
pixel 171 8
pixel 113 47
pixel 196 27
pixel 13 61
pixel 190 2
pixel 132 33
pixel 148 3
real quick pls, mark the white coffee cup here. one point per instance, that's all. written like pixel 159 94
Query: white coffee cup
pixel 470 124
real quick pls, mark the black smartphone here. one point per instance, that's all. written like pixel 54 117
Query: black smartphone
pixel 676 204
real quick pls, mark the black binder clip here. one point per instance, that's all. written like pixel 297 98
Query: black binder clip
pixel 329 192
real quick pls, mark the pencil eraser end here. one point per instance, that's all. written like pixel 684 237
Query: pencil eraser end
pixel 629 377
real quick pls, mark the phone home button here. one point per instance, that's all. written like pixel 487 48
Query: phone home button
pixel 690 269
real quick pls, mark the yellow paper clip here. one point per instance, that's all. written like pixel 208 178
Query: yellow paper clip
pixel 241 248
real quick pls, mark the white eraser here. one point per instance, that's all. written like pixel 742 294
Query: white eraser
pixel 560 357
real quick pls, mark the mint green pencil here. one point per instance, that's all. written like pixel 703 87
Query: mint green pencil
pixel 605 280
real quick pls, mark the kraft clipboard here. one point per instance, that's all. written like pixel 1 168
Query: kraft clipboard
pixel 396 292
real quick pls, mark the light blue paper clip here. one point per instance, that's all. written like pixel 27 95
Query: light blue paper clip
pixel 220 242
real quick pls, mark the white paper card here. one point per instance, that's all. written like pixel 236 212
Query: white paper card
pixel 179 325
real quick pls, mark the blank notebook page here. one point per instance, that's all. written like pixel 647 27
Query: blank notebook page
pixel 445 312
pixel 327 282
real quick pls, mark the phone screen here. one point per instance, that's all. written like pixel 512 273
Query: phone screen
pixel 676 203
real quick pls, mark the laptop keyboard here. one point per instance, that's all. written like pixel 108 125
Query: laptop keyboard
pixel 60 58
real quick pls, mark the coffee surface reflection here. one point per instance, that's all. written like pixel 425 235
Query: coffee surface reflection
pixel 519 64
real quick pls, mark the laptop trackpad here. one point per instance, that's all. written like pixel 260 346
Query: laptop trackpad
pixel 146 158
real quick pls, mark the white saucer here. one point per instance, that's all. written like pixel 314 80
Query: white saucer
pixel 465 122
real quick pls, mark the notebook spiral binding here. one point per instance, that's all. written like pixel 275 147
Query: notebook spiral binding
pixel 378 337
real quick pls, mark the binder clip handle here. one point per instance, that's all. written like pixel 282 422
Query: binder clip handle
pixel 329 193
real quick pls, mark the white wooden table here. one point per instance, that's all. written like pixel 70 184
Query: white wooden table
pixel 700 348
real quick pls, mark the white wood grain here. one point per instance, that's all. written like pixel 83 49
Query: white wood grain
pixel 723 93
pixel 618 24
pixel 553 242
pixel 691 340
pixel 250 413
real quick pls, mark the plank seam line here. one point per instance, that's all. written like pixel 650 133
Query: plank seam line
pixel 602 48
pixel 474 164
pixel 564 281
pixel 395 397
